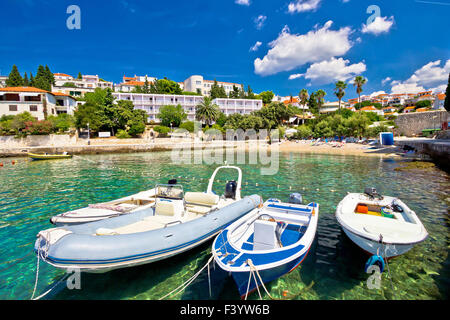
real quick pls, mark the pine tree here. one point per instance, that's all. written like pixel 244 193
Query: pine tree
pixel 79 76
pixel 14 78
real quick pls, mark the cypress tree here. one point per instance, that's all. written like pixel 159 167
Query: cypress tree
pixel 31 79
pixel 26 82
pixel 79 76
pixel 447 96
pixel 49 75
pixel 14 78
pixel 42 79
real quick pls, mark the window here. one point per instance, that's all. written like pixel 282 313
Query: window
pixel 12 108
pixel 33 108
pixel 198 82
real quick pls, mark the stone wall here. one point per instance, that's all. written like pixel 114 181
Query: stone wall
pixel 412 124
pixel 53 140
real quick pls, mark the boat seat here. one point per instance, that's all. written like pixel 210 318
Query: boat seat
pixel 164 208
pixel 198 209
pixel 264 237
pixel 201 198
pixel 105 232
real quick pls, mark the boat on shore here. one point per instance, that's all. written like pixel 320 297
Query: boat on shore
pixel 380 225
pixel 46 156
pixel 266 243
pixel 177 222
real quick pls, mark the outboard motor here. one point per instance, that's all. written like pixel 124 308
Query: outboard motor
pixel 172 181
pixel 230 189
pixel 372 193
pixel 295 198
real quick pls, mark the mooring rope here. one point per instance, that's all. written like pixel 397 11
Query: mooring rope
pixel 37 275
pixel 252 266
pixel 188 282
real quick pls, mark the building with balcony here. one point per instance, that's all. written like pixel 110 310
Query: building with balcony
pixel 67 84
pixel 15 100
pixel 152 103
pixel 240 106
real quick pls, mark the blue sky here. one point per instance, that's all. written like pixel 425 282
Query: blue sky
pixel 296 43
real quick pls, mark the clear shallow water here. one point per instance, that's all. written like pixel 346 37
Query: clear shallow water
pixel 32 192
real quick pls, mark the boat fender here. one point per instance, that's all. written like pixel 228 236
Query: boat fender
pixel 375 260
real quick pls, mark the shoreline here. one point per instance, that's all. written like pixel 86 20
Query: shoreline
pixel 347 149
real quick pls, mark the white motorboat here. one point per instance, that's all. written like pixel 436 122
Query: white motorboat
pixel 380 225
pixel 176 223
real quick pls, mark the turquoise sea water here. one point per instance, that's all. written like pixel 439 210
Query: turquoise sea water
pixel 32 192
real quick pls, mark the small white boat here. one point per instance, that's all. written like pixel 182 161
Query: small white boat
pixel 176 223
pixel 98 211
pixel 270 241
pixel 380 225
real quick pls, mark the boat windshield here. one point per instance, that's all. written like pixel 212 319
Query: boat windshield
pixel 169 191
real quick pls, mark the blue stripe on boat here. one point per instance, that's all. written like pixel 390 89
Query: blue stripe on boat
pixel 288 208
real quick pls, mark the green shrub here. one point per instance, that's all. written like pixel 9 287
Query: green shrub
pixel 122 134
pixel 188 125
pixel 162 130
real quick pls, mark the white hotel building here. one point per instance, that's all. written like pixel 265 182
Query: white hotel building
pixel 151 103
pixel 196 83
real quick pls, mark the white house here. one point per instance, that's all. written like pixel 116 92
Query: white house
pixel 439 101
pixel 332 106
pixel 196 83
pixel 65 103
pixel 67 84
pixel 15 100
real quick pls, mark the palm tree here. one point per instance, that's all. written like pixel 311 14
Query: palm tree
pixel 339 91
pixel 320 94
pixel 358 83
pixel 303 97
pixel 207 111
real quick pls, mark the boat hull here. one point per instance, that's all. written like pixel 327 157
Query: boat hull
pixel 373 247
pixel 79 247
pixel 35 156
pixel 242 278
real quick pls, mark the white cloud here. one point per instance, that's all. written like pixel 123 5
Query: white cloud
pixel 333 70
pixel 259 21
pixel 374 94
pixel 256 46
pixel 303 5
pixel 398 87
pixel 295 76
pixel 379 25
pixel 290 51
pixel 430 75
pixel 243 2
pixel 439 89
pixel 386 80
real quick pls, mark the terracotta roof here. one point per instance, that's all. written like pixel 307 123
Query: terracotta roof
pixel 293 100
pixel 61 94
pixel 422 109
pixel 62 75
pixel 133 83
pixel 441 96
pixel 23 89
pixel 409 108
pixel 368 108
pixel 389 113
